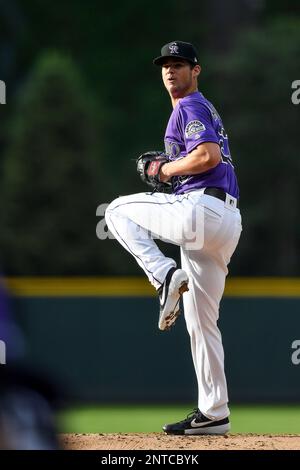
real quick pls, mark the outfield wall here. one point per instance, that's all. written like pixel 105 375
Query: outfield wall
pixel 99 337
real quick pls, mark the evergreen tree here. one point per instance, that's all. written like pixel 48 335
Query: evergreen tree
pixel 51 178
pixel 255 91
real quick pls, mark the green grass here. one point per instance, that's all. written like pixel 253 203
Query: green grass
pixel 259 419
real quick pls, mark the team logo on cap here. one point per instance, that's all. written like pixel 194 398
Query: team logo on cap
pixel 173 48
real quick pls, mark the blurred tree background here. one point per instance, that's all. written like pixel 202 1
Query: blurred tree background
pixel 83 100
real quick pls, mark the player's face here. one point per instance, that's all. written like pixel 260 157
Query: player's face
pixel 179 78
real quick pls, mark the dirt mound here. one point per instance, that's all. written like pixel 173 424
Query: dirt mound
pixel 159 441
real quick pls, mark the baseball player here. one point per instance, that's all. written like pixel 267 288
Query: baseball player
pixel 194 205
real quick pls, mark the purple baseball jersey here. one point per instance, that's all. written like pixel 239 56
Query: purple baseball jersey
pixel 193 121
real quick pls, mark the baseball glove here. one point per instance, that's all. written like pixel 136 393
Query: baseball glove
pixel 148 167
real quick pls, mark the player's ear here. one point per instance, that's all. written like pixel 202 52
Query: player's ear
pixel 196 70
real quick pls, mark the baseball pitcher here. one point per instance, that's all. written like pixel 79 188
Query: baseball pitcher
pixel 193 204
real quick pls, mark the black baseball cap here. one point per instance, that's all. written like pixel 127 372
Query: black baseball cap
pixel 178 49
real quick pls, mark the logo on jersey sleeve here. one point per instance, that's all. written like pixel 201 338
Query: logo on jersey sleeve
pixel 194 128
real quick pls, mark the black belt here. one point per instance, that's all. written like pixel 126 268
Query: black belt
pixel 218 193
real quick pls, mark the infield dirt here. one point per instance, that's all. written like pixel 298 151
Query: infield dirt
pixel 159 441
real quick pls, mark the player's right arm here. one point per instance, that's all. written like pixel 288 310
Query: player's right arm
pixel 203 158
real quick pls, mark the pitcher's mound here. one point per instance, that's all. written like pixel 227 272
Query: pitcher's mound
pixel 159 441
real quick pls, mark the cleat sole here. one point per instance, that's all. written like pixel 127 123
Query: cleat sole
pixel 172 317
pixel 183 288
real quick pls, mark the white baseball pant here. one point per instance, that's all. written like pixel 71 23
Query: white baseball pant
pixel 207 231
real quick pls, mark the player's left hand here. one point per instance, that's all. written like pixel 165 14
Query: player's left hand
pixel 149 166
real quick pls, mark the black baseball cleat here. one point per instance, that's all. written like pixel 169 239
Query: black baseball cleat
pixel 197 423
pixel 175 284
